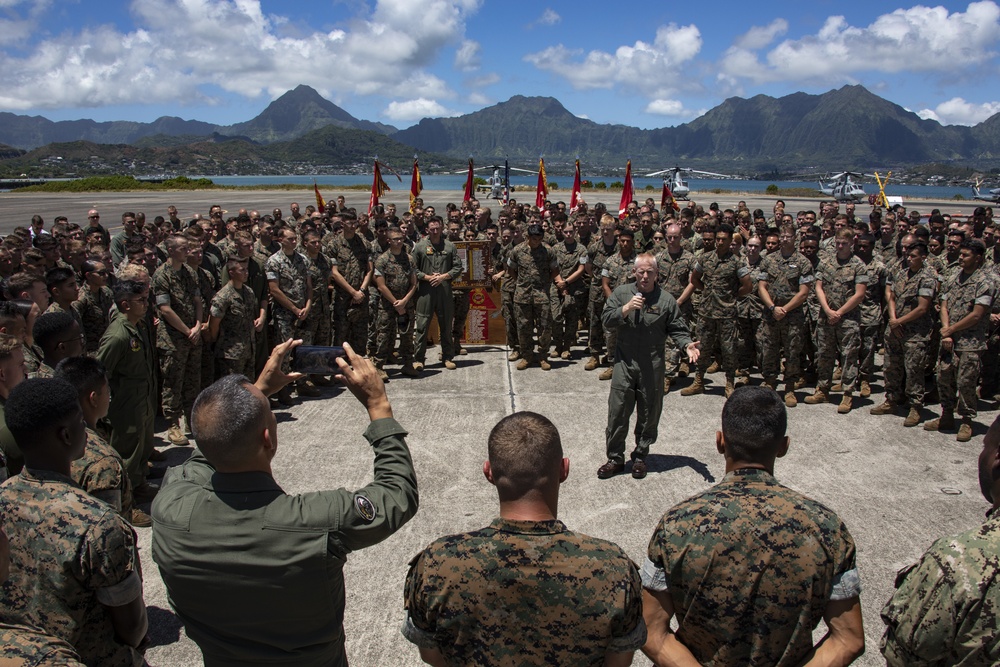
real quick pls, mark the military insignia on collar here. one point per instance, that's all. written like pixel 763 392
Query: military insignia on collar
pixel 364 508
pixel 133 343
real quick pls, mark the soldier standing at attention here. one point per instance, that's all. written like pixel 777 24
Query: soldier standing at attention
pixel 74 574
pixel 723 277
pixel 290 286
pixel 568 303
pixel 231 322
pixel 94 305
pixel 871 310
pixel 966 299
pixel 178 335
pixel 910 294
pixel 535 268
pixel 673 267
pixel 351 262
pixel 785 277
pixel 616 271
pixel 760 602
pixel 841 281
pixel 436 262
pixel 459 298
pixel 127 353
pixel 598 252
pixel 524 589
pixel 945 608
pixel 397 285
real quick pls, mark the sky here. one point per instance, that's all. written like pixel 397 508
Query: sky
pixel 645 63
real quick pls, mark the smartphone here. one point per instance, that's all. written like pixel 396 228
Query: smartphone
pixel 316 359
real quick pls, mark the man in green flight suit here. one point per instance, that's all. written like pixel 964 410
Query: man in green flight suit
pixel 256 574
pixel 644 314
pixel 126 350
pixel 437 263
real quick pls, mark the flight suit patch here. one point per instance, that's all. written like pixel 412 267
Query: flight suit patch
pixel 364 508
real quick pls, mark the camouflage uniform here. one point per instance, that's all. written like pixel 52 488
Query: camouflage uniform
pixel 871 308
pixel 991 358
pixel 71 555
pixel 944 610
pixel 838 279
pixel 759 604
pixel 907 354
pixel 94 311
pixel 507 300
pixel 531 295
pixel 180 359
pixel 958 371
pixel 262 253
pixel 236 311
pixel 320 315
pixel 27 648
pixel 101 473
pixel 598 255
pixel 209 285
pixel 567 307
pixel 351 257
pixel 291 274
pixel 375 249
pixel 749 310
pixel 397 272
pixel 673 275
pixel 619 271
pixel 720 278
pixel 784 277
pixel 526 593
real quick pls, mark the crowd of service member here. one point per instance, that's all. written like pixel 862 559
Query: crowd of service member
pixel 143 320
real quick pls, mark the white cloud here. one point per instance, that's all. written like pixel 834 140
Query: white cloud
pixel 180 46
pixel 957 111
pixel 919 39
pixel 21 19
pixel 642 65
pixel 548 17
pixel 758 37
pixel 467 56
pixel 673 108
pixel 416 109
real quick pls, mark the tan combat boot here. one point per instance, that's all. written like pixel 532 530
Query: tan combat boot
pixel 818 396
pixel 592 363
pixel 176 435
pixel 606 373
pixel 913 418
pixel 964 431
pixel 943 423
pixel 546 366
pixel 845 404
pixel 885 408
pixel 714 368
pixel 730 387
pixel 523 364
pixel 866 389
pixel 696 387
pixel 514 355
pixel 790 400
pixel 666 385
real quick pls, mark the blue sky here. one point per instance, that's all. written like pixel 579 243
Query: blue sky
pixel 645 63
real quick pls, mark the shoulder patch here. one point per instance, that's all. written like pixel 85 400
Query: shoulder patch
pixel 364 508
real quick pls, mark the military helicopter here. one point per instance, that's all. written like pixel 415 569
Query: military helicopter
pixel 843 188
pixel 496 185
pixel 674 179
pixel 993 197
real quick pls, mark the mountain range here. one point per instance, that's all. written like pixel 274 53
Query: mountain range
pixel 849 127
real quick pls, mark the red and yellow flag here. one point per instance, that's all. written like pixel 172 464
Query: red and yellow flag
pixel 542 189
pixel 469 182
pixel 320 204
pixel 667 199
pixel 379 187
pixel 627 192
pixel 574 197
pixel 416 185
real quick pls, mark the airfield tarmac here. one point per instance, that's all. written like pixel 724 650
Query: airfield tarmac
pixel 897 489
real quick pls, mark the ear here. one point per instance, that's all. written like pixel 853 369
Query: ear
pixel 564 471
pixel 267 443
pixel 720 443
pixel 92 398
pixel 783 448
pixel 488 472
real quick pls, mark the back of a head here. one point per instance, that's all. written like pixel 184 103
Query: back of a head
pixel 51 329
pixel 226 421
pixel 754 421
pixel 525 454
pixel 86 374
pixel 36 407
